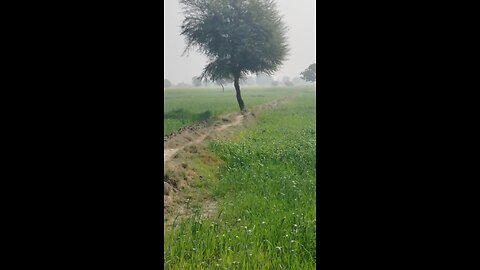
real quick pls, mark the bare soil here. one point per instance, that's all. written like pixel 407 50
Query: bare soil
pixel 174 144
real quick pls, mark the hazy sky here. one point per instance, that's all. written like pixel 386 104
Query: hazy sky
pixel 299 16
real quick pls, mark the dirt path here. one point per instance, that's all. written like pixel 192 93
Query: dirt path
pixel 170 152
pixel 237 120
pixel 191 135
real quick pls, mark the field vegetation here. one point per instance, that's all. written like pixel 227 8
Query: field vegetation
pixel 184 106
pixel 264 188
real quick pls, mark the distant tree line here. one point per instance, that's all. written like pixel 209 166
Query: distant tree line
pixel 261 80
pixel 308 75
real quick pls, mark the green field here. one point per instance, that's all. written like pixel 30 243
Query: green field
pixel 265 190
pixel 183 106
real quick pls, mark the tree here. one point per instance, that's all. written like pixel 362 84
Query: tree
pixel 166 83
pixel 310 74
pixel 196 81
pixel 239 37
pixel 221 82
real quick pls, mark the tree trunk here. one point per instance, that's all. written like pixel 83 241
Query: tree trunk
pixel 222 88
pixel 239 96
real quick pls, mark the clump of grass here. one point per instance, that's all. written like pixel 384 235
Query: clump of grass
pixel 167 189
pixel 172 178
pixel 168 176
pixel 192 149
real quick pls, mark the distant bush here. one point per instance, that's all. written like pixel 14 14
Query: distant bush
pixel 196 81
pixel 166 83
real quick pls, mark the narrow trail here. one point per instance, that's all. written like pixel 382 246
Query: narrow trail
pixel 232 119
pixel 236 122
pixel 169 153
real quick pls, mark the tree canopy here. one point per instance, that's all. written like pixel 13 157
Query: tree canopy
pixel 310 74
pixel 239 37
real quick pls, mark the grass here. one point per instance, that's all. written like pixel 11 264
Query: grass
pixel 184 106
pixel 266 195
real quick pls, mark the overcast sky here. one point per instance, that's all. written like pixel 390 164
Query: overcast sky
pixel 299 16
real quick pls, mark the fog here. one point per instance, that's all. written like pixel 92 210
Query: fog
pixel 298 15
